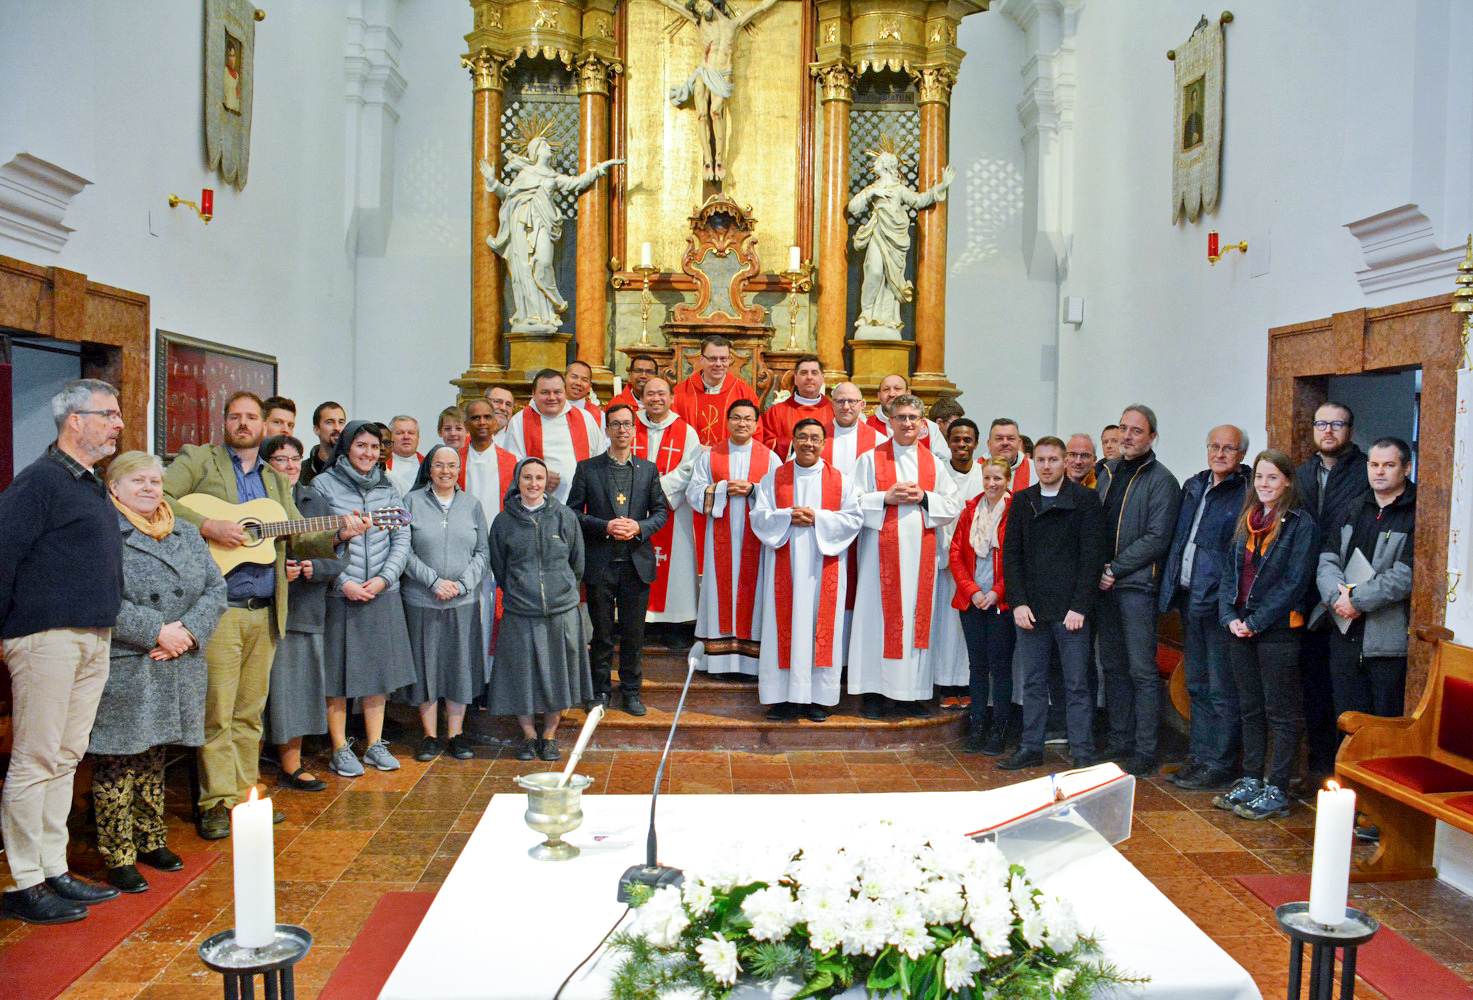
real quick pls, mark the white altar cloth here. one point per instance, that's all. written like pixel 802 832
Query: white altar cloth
pixel 506 927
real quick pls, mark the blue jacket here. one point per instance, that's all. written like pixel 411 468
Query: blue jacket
pixel 1214 536
pixel 1283 573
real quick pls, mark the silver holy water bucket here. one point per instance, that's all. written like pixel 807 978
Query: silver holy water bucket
pixel 554 811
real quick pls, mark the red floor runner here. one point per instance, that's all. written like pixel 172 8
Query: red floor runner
pixel 1390 963
pixel 49 959
pixel 363 971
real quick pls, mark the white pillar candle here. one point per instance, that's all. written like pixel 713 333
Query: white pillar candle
pixel 255 872
pixel 618 385
pixel 795 259
pixel 1334 832
pixel 646 257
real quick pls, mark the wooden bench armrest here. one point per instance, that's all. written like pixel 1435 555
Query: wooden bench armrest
pixel 1351 722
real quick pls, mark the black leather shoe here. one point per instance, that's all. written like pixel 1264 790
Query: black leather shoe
pixel 460 748
pixel 782 712
pixel 1141 767
pixel 301 784
pixel 872 706
pixel 633 705
pixel 973 743
pixel 40 905
pixel 816 713
pixel 429 748
pixel 996 740
pixel 163 859
pixel 917 709
pixel 1084 760
pixel 528 749
pixel 68 886
pixel 599 699
pixel 213 823
pixel 547 749
pixel 125 878
pixel 1204 778
pixel 1022 759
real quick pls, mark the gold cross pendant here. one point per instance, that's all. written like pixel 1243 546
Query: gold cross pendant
pixel 621 498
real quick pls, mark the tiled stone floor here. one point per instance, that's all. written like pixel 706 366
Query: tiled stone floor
pixel 339 851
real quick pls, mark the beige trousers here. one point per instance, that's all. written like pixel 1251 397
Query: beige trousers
pixel 56 679
pixel 238 660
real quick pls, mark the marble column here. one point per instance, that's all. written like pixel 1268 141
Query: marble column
pixel 930 303
pixel 836 82
pixel 488 78
pixel 591 320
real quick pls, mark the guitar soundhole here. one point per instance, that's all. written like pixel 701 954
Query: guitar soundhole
pixel 253 529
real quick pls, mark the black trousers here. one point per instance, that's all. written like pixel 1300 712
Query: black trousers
pixel 1266 674
pixel 990 638
pixel 1374 684
pixel 622 591
pixel 1321 734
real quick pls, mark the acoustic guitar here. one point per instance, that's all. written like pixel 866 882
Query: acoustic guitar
pixel 265 520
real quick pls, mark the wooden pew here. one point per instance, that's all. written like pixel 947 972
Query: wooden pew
pixel 1411 771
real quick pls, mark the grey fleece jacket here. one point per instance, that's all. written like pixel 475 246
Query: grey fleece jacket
pixel 1140 538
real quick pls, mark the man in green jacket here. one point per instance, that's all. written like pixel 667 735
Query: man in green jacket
pixel 239 654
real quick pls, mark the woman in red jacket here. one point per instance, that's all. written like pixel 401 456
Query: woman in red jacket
pixel 976 565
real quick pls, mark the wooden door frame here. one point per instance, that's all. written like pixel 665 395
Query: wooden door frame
pixel 1424 333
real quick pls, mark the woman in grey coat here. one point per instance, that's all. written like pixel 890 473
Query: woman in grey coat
pixel 365 645
pixel 441 588
pixel 541 653
pixel 297 703
pixel 173 596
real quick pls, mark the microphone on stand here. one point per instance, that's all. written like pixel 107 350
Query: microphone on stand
pixel 652 873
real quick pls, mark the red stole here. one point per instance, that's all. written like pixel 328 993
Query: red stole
pixel 590 407
pixel 532 433
pixel 506 464
pixel 1022 474
pixel 746 597
pixel 828 590
pixel 672 452
pixel 885 477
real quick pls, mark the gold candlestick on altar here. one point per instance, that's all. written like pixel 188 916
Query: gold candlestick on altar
pixel 645 271
pixel 1463 303
pixel 800 280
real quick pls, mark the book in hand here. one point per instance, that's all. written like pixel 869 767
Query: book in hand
pixel 1357 571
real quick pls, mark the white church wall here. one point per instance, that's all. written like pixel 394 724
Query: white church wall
pixel 112 92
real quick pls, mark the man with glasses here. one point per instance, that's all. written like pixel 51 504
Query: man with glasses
pixel 722 485
pixel 906 496
pixel 1141 498
pixel 806 402
pixel 642 368
pixel 1195 564
pixel 851 437
pixel 662 437
pixel 703 398
pixel 891 388
pixel 238 656
pixel 61 587
pixel 503 405
pixel 1329 480
pixel 1079 460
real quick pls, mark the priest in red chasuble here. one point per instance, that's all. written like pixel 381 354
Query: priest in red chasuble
pixel 703 399
pixel 806 515
pixel 906 496
pixel 642 368
pixel 807 400
pixel 729 622
pixel 662 437
pixel 554 430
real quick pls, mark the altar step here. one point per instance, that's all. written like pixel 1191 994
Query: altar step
pixel 725 715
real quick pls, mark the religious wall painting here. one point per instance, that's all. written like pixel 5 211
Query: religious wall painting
pixel 229 87
pixel 1197 122
pixel 192 380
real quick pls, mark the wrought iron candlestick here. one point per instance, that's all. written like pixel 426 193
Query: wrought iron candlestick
pixel 273 962
pixel 800 280
pixel 646 271
pixel 1324 941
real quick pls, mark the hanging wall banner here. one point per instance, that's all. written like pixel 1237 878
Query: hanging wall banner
pixel 230 79
pixel 1196 138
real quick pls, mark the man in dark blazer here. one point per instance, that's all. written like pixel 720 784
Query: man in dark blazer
pixel 620 505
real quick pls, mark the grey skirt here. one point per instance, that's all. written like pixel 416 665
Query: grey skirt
pixel 297 704
pixel 541 665
pixel 365 647
pixel 449 651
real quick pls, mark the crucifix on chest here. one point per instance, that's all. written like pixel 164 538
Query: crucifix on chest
pixel 671 451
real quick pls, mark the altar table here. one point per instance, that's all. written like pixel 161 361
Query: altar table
pixel 506 927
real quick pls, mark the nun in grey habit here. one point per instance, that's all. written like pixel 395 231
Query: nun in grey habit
pixel 541 652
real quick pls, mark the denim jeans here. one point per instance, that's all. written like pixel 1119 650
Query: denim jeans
pixel 1035 646
pixel 989 636
pixel 1214 738
pixel 1266 671
pixel 1127 623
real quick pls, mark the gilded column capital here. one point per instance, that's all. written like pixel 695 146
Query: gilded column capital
pixel 836 80
pixel 488 70
pixel 595 72
pixel 934 84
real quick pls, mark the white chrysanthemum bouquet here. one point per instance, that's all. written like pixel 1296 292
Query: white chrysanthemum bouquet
pixel 897 912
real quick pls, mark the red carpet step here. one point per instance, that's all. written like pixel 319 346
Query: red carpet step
pixel 365 968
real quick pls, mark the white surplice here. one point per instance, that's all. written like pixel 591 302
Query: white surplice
pixel 846 447
pixel 557 443
pixel 680 590
pixel 803 683
pixel 403 471
pixel 483 479
pixel 728 514
pixel 951 665
pixel 909 676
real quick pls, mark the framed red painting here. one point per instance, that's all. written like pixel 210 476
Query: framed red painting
pixel 192 380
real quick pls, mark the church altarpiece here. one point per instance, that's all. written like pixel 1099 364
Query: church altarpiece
pixel 786 109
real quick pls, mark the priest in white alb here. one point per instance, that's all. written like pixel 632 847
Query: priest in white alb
pixel 728 620
pixel 806 515
pixel 662 437
pixel 554 430
pixel 951 666
pixel 906 495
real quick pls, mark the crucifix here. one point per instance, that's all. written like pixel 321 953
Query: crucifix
pixel 673 448
pixel 621 499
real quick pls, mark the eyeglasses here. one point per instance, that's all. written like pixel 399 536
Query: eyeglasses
pixel 716 361
pixel 742 419
pixel 104 414
pixel 848 402
pixel 1319 425
pixel 1083 456
pixel 1222 449
pixel 285 459
pixel 619 424
pixel 905 418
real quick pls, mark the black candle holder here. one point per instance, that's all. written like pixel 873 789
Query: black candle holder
pixel 272 962
pixel 1324 941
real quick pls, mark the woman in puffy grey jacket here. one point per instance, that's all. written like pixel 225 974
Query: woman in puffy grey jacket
pixel 366 652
